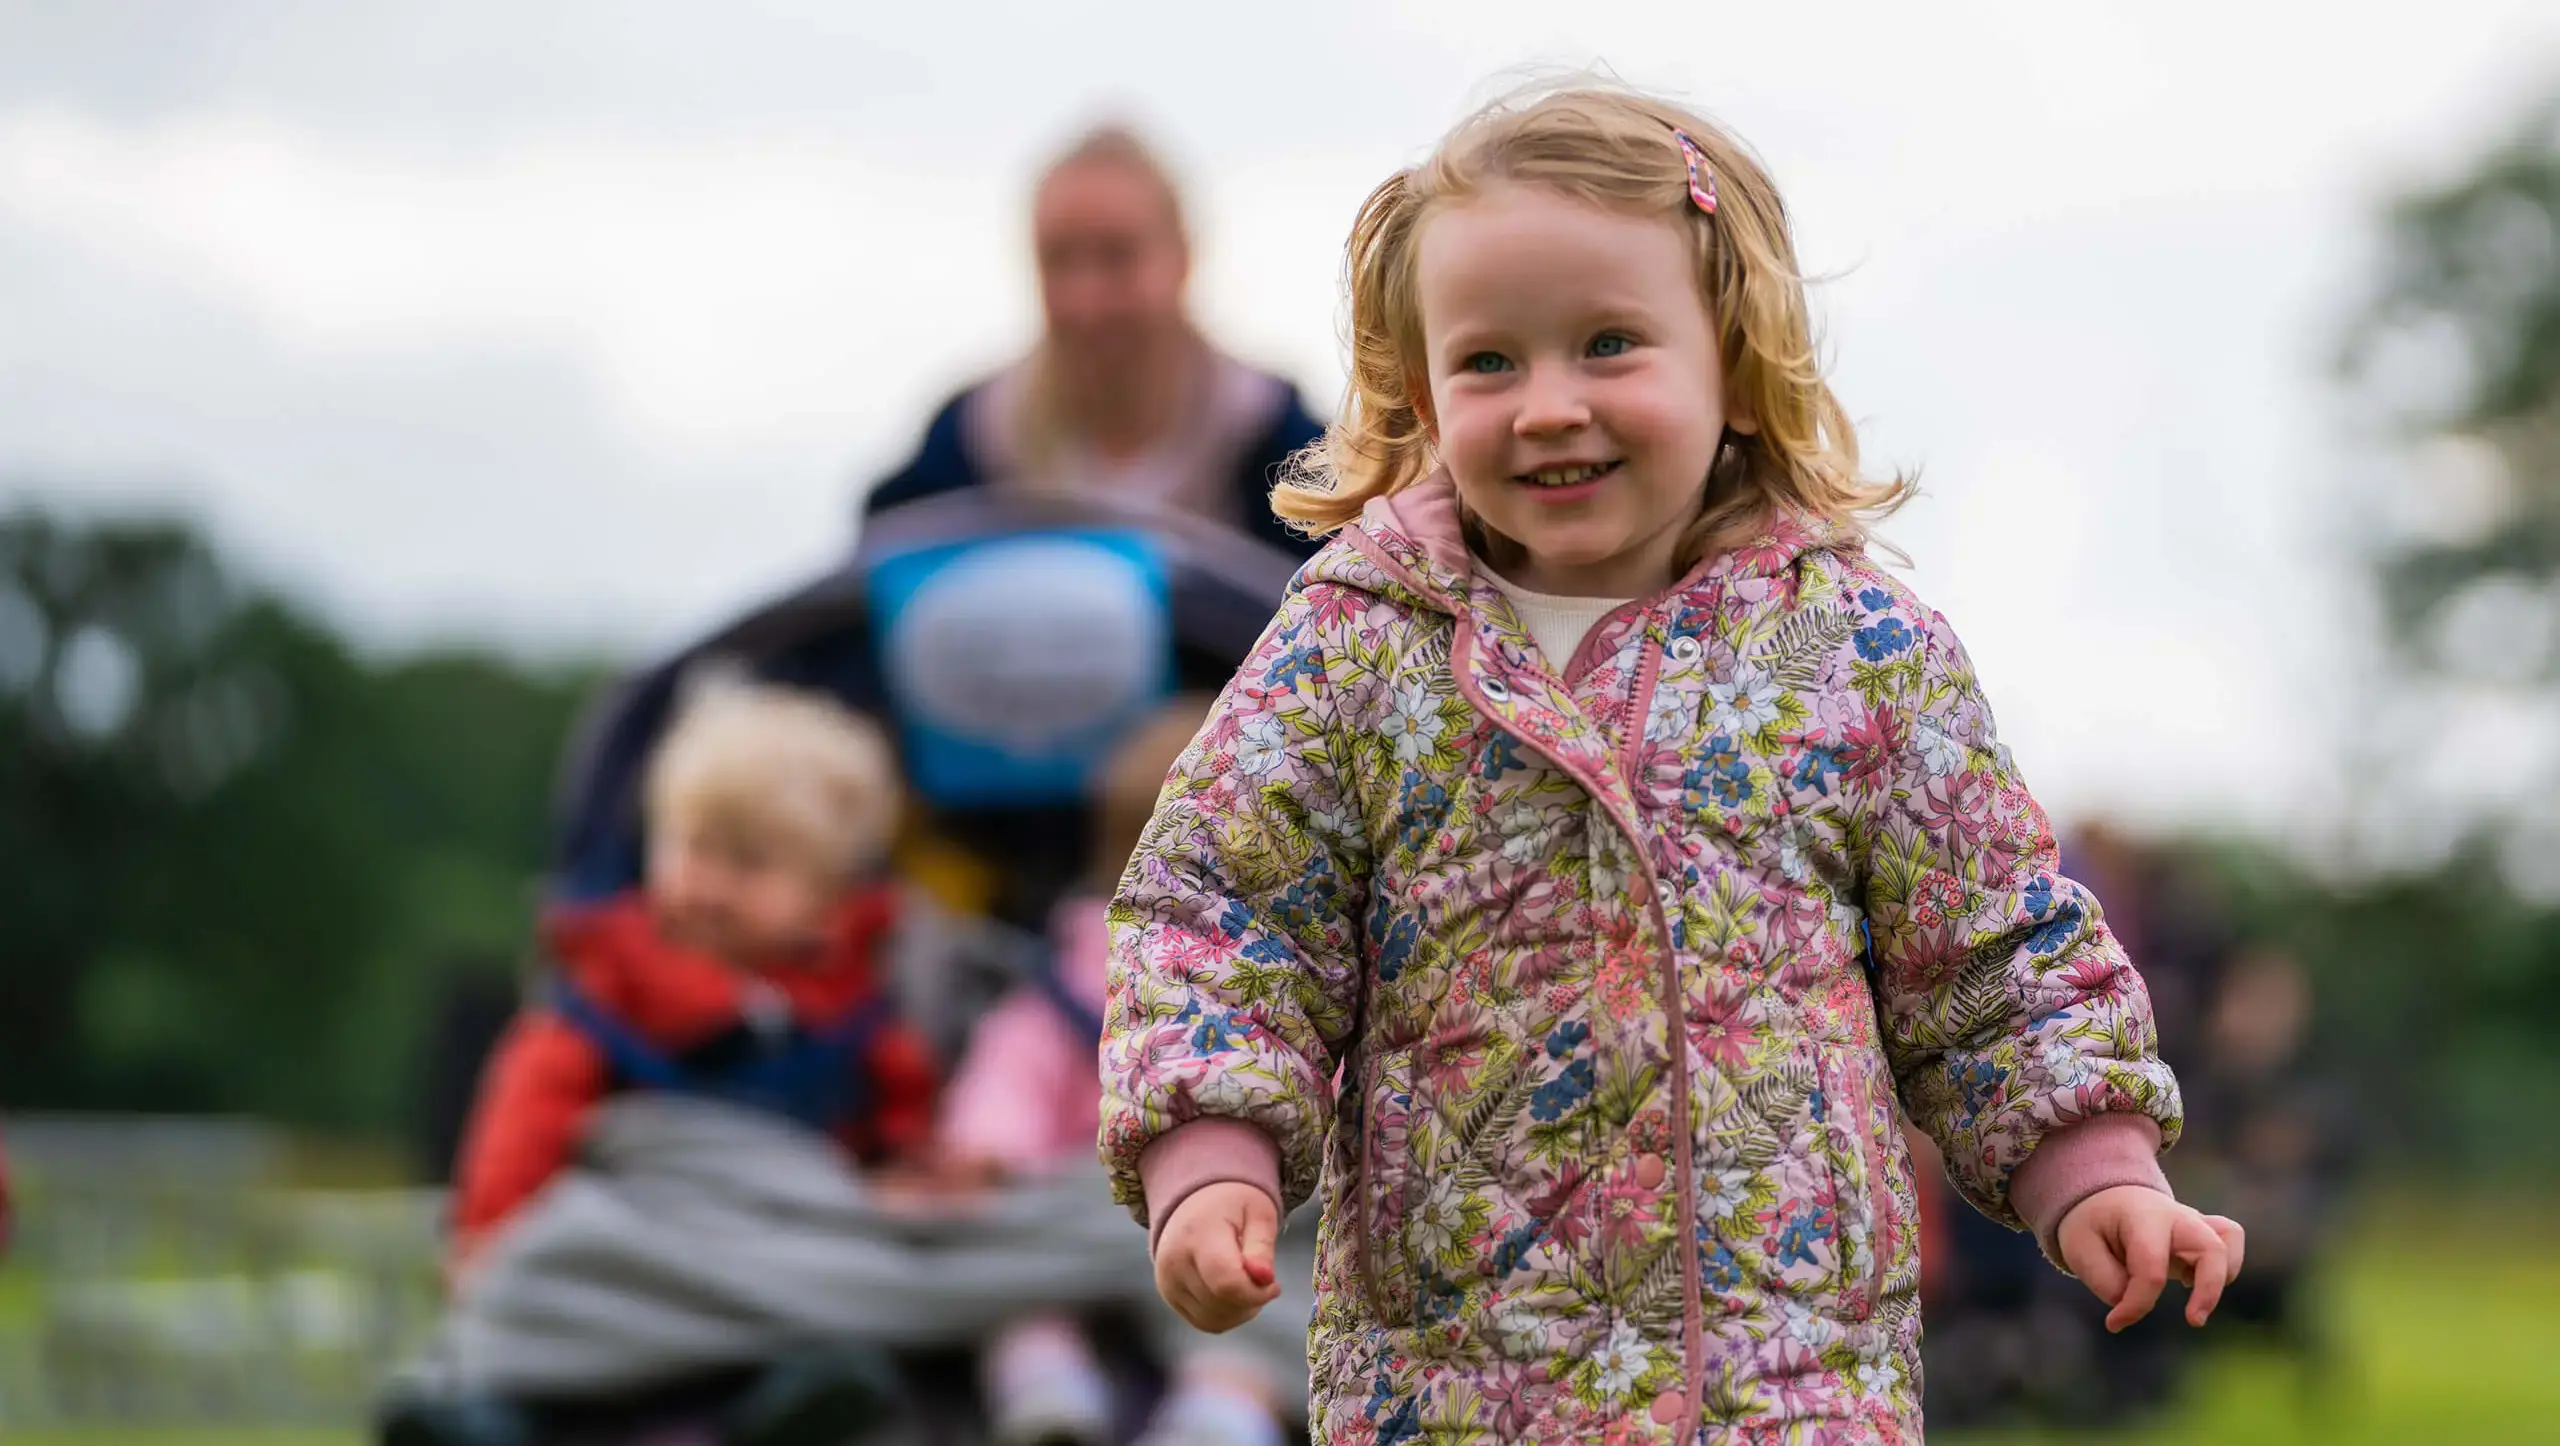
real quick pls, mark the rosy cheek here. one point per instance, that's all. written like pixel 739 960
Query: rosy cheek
pixel 1471 432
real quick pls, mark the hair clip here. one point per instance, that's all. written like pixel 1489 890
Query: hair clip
pixel 1702 175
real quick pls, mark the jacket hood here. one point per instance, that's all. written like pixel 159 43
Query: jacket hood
pixel 1411 547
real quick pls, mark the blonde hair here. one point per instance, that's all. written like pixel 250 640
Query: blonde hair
pixel 1114 144
pixel 1615 149
pixel 782 766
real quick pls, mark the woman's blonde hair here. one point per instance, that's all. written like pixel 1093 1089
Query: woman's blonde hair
pixel 1619 150
pixel 785 768
pixel 1115 144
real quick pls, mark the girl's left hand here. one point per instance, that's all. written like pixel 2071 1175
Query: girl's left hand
pixel 2127 1242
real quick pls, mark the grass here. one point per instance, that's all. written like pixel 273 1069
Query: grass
pixel 2445 1335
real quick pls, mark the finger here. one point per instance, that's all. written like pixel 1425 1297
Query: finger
pixel 1172 1284
pixel 1184 1303
pixel 1192 1301
pixel 2234 1239
pixel 1261 1233
pixel 2208 1266
pixel 1222 1272
pixel 2091 1258
pixel 1205 1311
pixel 2146 1260
pixel 1207 1314
pixel 1201 1311
pixel 1178 1280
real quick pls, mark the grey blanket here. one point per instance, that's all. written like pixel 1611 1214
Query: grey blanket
pixel 694 1234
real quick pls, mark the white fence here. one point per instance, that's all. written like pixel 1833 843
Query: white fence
pixel 161 1272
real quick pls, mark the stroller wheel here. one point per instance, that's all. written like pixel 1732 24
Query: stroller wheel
pixel 821 1399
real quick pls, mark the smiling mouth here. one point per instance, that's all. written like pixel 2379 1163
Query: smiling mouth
pixel 1568 476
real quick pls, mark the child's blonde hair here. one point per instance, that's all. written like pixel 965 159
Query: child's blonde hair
pixel 781 766
pixel 1619 150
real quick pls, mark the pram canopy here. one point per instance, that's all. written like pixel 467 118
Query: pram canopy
pixel 1008 641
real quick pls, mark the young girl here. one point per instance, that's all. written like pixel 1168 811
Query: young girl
pixel 1597 847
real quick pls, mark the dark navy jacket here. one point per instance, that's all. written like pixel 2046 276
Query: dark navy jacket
pixel 944 464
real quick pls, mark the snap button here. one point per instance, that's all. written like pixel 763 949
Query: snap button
pixel 1685 649
pixel 1498 690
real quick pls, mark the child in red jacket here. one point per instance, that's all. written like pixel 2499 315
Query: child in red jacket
pixel 747 967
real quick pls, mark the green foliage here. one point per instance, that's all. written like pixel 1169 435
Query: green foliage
pixel 2435 994
pixel 2436 990
pixel 2462 344
pixel 236 857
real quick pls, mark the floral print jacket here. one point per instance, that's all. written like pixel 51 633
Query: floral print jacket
pixel 1586 1000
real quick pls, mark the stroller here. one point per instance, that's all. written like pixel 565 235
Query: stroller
pixel 1009 643
pixel 1010 640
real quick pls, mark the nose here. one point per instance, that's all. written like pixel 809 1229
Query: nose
pixel 1550 402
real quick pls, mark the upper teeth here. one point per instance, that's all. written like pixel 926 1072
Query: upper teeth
pixel 1567 476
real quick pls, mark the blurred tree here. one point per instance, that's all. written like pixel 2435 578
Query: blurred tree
pixel 236 858
pixel 2437 974
pixel 2460 349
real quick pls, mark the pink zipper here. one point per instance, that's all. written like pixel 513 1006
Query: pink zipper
pixel 1676 1035
pixel 1676 1031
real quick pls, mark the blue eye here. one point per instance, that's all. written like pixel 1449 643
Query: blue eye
pixel 1485 363
pixel 1612 343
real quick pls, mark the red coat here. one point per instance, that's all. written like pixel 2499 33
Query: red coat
pixel 546 1074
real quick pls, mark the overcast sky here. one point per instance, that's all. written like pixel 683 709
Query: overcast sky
pixel 577 324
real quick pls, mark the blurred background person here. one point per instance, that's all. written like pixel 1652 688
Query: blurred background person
pixel 746 970
pixel 1122 397
pixel 2268 1129
pixel 2273 1132
pixel 1123 408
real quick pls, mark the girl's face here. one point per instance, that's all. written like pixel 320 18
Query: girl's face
pixel 1574 389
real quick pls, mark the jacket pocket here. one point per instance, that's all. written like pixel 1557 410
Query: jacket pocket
pixel 1855 1113
pixel 1384 1185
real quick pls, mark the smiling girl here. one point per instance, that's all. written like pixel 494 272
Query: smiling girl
pixel 1597 851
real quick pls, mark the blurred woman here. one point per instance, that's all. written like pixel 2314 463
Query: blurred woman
pixel 1123 396
pixel 1122 402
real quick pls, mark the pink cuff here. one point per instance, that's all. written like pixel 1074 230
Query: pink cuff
pixel 1208 1151
pixel 2076 1162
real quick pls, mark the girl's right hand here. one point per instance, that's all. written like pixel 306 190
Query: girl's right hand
pixel 1213 1261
